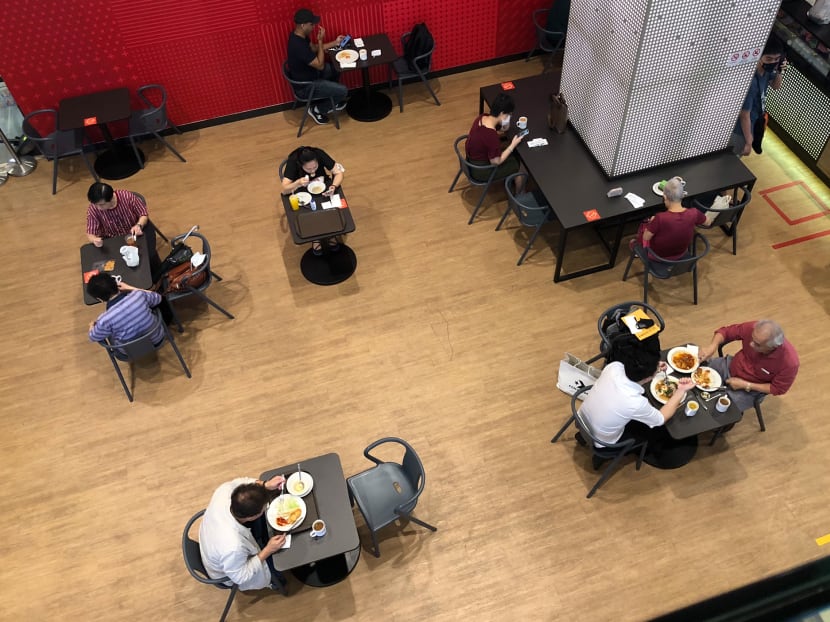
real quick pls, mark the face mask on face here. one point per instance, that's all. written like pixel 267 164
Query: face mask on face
pixel 505 123
pixel 770 66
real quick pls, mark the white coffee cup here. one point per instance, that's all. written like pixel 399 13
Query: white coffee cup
pixel 723 404
pixel 130 255
pixel 692 408
pixel 362 53
pixel 318 528
pixel 521 123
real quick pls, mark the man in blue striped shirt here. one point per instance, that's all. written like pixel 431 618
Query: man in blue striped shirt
pixel 129 311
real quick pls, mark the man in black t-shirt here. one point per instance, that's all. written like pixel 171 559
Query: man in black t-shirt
pixel 307 63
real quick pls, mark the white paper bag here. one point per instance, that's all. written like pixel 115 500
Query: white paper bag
pixel 574 374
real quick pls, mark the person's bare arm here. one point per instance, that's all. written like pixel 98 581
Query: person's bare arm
pixel 670 407
pixel 507 151
pixel 746 128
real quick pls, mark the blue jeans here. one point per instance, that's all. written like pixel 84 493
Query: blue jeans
pixel 327 87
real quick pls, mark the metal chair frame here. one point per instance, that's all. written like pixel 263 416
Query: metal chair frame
pixel 467 169
pixel 308 99
pixel 530 215
pixel 727 219
pixel 417 73
pixel 542 42
pixel 152 120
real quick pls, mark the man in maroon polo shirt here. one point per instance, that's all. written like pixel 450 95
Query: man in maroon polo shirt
pixel 767 362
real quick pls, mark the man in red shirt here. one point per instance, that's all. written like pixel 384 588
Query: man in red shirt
pixel 767 362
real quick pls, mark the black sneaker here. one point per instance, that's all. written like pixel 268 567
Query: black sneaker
pixel 581 439
pixel 342 105
pixel 319 117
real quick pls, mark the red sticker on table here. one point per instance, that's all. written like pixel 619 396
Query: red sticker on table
pixel 90 121
pixel 591 214
pixel 507 86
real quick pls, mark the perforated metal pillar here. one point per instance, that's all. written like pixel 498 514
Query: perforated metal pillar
pixel 649 82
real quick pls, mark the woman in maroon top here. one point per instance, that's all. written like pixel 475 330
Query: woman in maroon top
pixel 484 144
pixel 669 234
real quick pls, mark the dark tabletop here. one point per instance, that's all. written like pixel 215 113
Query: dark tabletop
pixel 681 426
pixel 137 277
pixel 94 108
pixel 573 182
pixel 346 222
pixel 371 42
pixel 334 508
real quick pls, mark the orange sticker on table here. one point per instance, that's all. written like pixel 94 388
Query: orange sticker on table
pixel 90 121
pixel 507 86
pixel 591 214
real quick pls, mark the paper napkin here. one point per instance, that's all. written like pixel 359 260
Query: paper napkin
pixel 635 200
pixel 537 142
pixel 348 65
pixel 335 200
pixel 287 543
pixel 358 43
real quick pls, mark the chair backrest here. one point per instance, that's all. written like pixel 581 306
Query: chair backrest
pixel 418 45
pixel 610 320
pixel 727 215
pixel 467 168
pixel 193 556
pixel 41 127
pixel 281 169
pixel 154 117
pixel 297 86
pixel 139 347
pixel 544 36
pixel 411 465
pixel 529 214
pixel 671 267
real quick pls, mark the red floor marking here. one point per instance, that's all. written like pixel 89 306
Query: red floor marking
pixel 805 238
pixel 824 211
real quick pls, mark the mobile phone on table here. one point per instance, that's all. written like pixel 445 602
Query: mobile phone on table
pixel 524 133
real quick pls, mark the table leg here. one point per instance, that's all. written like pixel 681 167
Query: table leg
pixel 117 161
pixel 368 105
pixel 560 255
pixel 328 571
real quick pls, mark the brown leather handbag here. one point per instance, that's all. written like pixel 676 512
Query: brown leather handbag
pixel 558 115
pixel 184 275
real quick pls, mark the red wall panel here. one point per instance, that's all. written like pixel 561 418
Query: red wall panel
pixel 217 57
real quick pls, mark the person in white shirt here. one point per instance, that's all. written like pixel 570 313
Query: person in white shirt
pixel 233 535
pixel 616 407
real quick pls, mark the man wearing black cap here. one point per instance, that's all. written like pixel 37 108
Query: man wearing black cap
pixel 307 63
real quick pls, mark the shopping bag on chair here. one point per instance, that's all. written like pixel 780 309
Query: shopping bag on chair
pixel 574 374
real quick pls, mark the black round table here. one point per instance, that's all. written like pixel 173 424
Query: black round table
pixel 118 162
pixel 368 105
pixel 330 268
pixel 670 453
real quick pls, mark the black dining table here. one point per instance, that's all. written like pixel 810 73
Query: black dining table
pixel 684 430
pixel 575 186
pixel 99 109
pixel 96 258
pixel 369 104
pixel 308 225
pixel 329 559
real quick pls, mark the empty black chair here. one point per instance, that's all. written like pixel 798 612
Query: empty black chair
pixel 193 562
pixel 727 219
pixel 304 93
pixel 140 347
pixel 195 290
pixel 548 41
pixel 416 67
pixel 469 171
pixel 388 491
pixel 41 127
pixel 607 452
pixel 666 268
pixel 529 207
pixel 152 119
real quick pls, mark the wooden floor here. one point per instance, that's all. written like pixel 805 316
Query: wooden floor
pixel 438 338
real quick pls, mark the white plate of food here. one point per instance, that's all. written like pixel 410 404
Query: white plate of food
pixel 683 360
pixel 299 486
pixel 285 512
pixel 707 379
pixel 304 198
pixel 316 186
pixel 657 188
pixel 663 387
pixel 346 56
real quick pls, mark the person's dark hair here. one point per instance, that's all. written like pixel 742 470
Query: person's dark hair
pixel 102 286
pixel 502 103
pixel 773 46
pixel 248 500
pixel 306 155
pixel 639 358
pixel 99 191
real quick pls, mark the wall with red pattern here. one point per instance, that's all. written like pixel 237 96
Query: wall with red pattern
pixel 217 57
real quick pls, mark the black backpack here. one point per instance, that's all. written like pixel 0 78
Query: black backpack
pixel 420 42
